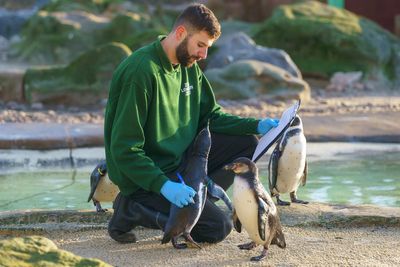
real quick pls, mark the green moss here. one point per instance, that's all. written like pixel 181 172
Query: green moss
pixel 42 34
pixel 90 72
pixel 132 29
pixel 95 6
pixel 52 37
pixel 325 39
pixel 39 251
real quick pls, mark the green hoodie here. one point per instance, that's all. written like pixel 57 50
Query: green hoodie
pixel 154 112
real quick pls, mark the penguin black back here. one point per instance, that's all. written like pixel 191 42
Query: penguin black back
pixel 194 170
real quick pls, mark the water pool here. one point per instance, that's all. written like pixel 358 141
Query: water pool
pixel 339 173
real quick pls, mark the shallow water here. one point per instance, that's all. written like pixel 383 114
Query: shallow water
pixel 363 179
pixel 339 173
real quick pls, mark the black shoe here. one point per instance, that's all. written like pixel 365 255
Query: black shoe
pixel 128 214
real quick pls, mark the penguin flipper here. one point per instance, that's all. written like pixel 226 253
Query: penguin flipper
pixel 97 173
pixel 273 169
pixel 218 192
pixel 264 202
pixel 236 222
pixel 263 211
pixel 304 178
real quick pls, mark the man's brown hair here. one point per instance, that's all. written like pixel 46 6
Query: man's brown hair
pixel 198 17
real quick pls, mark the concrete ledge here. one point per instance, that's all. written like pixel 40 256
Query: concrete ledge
pixel 325 215
pixel 377 127
pixel 314 214
pixel 49 135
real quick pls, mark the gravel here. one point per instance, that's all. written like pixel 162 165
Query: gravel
pixel 322 103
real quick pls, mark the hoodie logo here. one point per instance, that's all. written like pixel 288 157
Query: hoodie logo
pixel 187 89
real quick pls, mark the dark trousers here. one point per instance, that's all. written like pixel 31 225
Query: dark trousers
pixel 213 225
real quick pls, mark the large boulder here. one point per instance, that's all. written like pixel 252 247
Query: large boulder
pixel 239 46
pixel 131 28
pixel 230 27
pixel 61 29
pixel 84 81
pixel 40 251
pixel 91 6
pixel 323 40
pixel 251 78
pixel 58 37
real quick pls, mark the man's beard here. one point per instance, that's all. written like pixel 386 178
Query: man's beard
pixel 182 54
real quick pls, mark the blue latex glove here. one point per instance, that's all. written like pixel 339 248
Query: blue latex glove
pixel 178 193
pixel 266 124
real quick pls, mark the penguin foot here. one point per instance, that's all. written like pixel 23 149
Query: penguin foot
pixel 294 199
pixel 101 209
pixel 281 202
pixel 263 255
pixel 191 241
pixel 299 201
pixel 176 245
pixel 248 246
pixel 98 207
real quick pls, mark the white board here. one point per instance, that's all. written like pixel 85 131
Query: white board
pixel 272 135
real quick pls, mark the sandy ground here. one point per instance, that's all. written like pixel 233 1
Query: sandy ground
pixel 306 246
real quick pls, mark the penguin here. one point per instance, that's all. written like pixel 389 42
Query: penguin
pixel 182 220
pixel 101 187
pixel 288 165
pixel 254 209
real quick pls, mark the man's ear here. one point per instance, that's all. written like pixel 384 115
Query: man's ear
pixel 180 33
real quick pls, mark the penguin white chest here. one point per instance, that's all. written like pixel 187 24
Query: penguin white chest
pixel 291 164
pixel 246 208
pixel 106 191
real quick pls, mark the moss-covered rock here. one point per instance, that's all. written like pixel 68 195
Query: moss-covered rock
pixel 84 81
pixel 39 251
pixel 132 29
pixel 93 6
pixel 65 29
pixel 58 37
pixel 251 78
pixel 323 39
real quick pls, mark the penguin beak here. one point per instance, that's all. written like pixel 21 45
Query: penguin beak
pixel 235 167
pixel 231 166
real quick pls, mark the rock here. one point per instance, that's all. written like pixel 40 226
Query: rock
pixel 252 78
pixel 230 27
pixel 341 81
pixel 55 37
pixel 83 82
pixel 323 40
pixel 4 44
pixel 246 10
pixel 11 84
pixel 239 46
pixel 346 78
pixel 39 251
pixel 133 29
pixel 37 106
pixel 55 33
